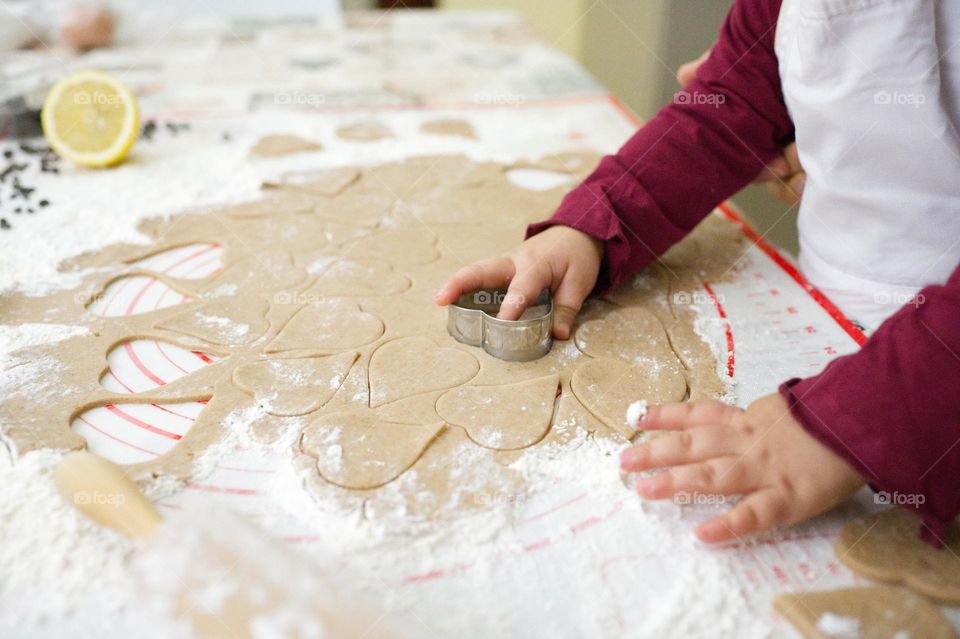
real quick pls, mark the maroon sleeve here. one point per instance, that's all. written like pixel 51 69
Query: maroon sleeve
pixel 695 153
pixel 892 410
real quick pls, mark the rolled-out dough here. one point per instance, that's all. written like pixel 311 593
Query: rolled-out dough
pixel 324 183
pixel 310 278
pixel 502 417
pixel 414 365
pixel 608 386
pixel 876 612
pixel 289 387
pixel 359 450
pixel 326 326
pixel 887 547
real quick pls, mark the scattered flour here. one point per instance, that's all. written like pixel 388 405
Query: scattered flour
pixel 57 569
pixel 635 412
pixel 839 626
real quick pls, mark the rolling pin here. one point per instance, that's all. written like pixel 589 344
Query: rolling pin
pixel 211 570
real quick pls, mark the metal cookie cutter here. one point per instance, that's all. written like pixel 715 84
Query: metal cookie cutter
pixel 472 319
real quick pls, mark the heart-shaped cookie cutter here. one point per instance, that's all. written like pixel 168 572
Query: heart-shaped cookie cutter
pixel 472 319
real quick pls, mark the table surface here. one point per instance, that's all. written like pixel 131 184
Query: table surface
pixel 580 560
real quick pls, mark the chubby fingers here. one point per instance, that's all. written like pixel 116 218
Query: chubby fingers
pixel 758 511
pixel 568 299
pixel 524 289
pixel 684 447
pixel 682 415
pixel 788 191
pixel 717 476
pixel 492 273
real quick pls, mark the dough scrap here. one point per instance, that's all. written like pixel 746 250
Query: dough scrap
pixel 502 416
pixel 277 145
pixel 412 365
pixel 344 277
pixel 226 321
pixel 451 127
pixel 368 131
pixel 359 450
pixel 290 387
pixel 887 547
pixel 325 327
pixel 878 612
pixel 607 386
pixel 323 183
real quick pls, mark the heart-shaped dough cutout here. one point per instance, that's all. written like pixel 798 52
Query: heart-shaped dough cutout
pixel 607 386
pixel 342 277
pixel 502 416
pixel 359 450
pixel 226 320
pixel 413 365
pixel 288 387
pixel 326 327
pixel 876 611
pixel 632 334
pixel 887 546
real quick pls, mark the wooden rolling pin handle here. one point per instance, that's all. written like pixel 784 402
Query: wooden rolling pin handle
pixel 100 490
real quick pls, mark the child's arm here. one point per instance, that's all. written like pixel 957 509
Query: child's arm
pixel 714 139
pixel 888 414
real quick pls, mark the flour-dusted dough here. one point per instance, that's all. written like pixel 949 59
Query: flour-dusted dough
pixel 326 183
pixel 281 203
pixel 398 245
pixel 608 386
pixel 413 365
pixel 632 334
pixel 347 277
pixel 383 242
pixel 358 449
pixel 297 386
pixel 226 321
pixel 356 208
pixel 887 547
pixel 877 612
pixel 451 127
pixel 276 145
pixel 326 326
pixel 504 416
pixel 368 131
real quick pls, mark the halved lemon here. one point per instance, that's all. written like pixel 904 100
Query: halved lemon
pixel 91 118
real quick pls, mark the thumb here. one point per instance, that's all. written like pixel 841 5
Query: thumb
pixel 567 301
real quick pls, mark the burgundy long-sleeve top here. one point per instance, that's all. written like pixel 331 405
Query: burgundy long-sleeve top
pixel 891 410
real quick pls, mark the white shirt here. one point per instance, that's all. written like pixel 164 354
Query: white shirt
pixel 873 87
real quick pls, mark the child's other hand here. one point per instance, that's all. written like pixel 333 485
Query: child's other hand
pixel 784 176
pixel 762 453
pixel 560 258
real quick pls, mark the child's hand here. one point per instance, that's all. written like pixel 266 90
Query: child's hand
pixel 784 176
pixel 560 258
pixel 762 452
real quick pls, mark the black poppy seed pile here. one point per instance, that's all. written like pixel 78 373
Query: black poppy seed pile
pixel 17 195
pixel 150 129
